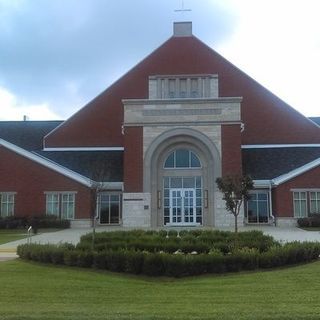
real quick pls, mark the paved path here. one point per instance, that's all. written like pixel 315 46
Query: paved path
pixel 8 250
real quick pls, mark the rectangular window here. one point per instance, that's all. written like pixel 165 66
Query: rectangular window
pixel 300 204
pixel 109 208
pixel 52 204
pixel 314 202
pixel 172 88
pixel 7 204
pixel 258 207
pixel 67 206
pixel 194 88
pixel 61 204
pixel 183 88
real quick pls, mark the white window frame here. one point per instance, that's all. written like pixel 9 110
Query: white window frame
pixel 62 202
pixel 7 204
pixel 316 200
pixel 301 203
pixel 174 152
pixel 98 208
pixel 257 202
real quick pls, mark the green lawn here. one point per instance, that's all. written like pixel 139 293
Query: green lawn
pixel 34 291
pixel 12 235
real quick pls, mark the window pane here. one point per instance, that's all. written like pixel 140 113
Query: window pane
pixel 114 212
pixel 303 208
pixel 195 162
pixel 52 204
pixel 198 182
pixel 313 206
pixel 262 196
pixel 170 161
pixel 188 183
pixel 67 206
pixel 252 212
pixel 176 182
pixel 182 158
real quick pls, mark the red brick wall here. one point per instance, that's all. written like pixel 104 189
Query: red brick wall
pixel 30 180
pixel 231 149
pixel 267 118
pixel 133 159
pixel 283 197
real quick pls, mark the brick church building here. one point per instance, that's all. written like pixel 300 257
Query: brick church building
pixel 156 140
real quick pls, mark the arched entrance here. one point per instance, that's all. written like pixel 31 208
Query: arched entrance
pixel 180 168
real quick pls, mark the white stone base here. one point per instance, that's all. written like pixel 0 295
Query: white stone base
pixel 222 217
pixel 286 222
pixel 136 210
pixel 80 223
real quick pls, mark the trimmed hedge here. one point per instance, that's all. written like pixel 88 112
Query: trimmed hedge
pixel 201 241
pixel 312 221
pixel 172 265
pixel 35 222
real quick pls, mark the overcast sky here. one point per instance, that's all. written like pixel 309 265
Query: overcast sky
pixel 57 55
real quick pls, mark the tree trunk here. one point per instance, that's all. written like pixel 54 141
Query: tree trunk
pixel 93 232
pixel 235 223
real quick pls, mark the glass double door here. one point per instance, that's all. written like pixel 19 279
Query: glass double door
pixel 182 206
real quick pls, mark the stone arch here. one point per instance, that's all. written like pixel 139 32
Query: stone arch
pixel 165 143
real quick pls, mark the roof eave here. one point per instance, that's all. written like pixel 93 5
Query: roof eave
pixel 47 163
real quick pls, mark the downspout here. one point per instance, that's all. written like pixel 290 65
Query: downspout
pixel 270 203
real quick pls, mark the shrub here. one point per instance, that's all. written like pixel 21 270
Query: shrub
pixel 85 259
pixel 218 258
pixel 70 257
pixel 315 220
pixel 153 264
pixel 312 221
pixel 303 222
pixel 134 262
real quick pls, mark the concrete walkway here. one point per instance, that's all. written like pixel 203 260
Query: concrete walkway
pixel 8 250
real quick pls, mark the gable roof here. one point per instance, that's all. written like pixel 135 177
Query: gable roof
pixel 279 164
pixel 104 166
pixel 315 120
pixel 99 122
pixel 26 134
pixel 46 163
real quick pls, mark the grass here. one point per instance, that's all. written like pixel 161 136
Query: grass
pixel 34 291
pixel 12 235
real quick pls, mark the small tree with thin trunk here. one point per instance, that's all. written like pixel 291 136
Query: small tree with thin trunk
pixel 235 189
pixel 95 189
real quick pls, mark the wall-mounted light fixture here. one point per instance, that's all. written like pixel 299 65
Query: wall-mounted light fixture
pixel 206 198
pixel 159 199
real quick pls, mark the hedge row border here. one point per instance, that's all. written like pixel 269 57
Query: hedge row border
pixel 164 264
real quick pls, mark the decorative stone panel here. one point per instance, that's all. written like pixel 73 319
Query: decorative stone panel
pixel 136 210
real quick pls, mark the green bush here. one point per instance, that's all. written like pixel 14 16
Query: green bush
pixel 153 264
pixel 35 222
pixel 218 258
pixel 304 222
pixel 312 221
pixel 134 262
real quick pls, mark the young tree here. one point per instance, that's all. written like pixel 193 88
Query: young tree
pixel 235 190
pixel 95 189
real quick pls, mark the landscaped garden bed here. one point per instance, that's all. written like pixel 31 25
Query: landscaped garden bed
pixel 175 254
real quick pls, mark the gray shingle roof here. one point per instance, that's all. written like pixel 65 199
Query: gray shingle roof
pixel 316 120
pixel 104 166
pixel 26 134
pixel 269 163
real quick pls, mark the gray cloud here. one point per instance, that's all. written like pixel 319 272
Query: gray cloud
pixel 64 52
